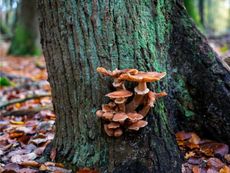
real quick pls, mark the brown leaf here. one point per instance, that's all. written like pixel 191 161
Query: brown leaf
pixel 195 139
pixel 53 154
pixel 181 136
pixel 227 157
pixel 212 171
pixel 215 163
pixel 16 134
pixel 225 169
pixel 30 163
pixel 212 148
pixel 196 169
pixel 189 154
pixel 86 170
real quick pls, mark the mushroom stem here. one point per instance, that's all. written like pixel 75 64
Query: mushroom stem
pixel 121 107
pixel 144 111
pixel 137 100
pixel 118 84
pixel 141 86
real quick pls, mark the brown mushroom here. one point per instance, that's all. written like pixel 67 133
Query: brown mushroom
pixel 118 132
pixel 107 116
pixel 152 96
pixel 99 113
pixel 142 78
pixel 108 107
pixel 134 117
pixel 113 125
pixel 118 84
pixel 108 131
pixel 120 98
pixel 137 125
pixel 120 117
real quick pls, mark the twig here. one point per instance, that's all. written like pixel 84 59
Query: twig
pixel 35 96
pixel 30 111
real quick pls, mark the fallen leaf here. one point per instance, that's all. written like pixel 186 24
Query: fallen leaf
pixel 86 170
pixel 195 139
pixel 181 136
pixel 189 154
pixel 30 163
pixel 215 163
pixel 53 154
pixel 225 169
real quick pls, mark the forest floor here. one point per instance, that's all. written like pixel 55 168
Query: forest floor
pixel 27 125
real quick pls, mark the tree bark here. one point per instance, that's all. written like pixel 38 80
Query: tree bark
pixel 202 83
pixel 151 35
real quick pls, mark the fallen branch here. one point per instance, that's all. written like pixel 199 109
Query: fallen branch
pixel 27 85
pixel 35 96
pixel 29 111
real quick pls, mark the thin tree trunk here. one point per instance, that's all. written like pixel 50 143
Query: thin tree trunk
pixel 201 11
pixel 79 36
pixel 26 35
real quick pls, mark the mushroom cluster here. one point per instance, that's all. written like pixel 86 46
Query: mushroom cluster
pixel 121 114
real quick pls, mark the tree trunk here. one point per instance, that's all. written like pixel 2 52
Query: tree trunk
pixel 26 35
pixel 202 84
pixel 151 35
pixel 201 11
pixel 192 11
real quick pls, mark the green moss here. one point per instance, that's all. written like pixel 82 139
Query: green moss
pixel 23 43
pixel 183 97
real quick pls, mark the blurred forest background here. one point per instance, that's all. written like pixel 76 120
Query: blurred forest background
pixel 19 33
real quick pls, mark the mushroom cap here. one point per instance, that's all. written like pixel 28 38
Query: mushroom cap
pixel 133 117
pixel 108 107
pixel 161 94
pixel 120 117
pixel 142 76
pixel 152 96
pixel 108 115
pixel 115 73
pixel 120 100
pixel 137 125
pixel 118 132
pixel 99 113
pixel 113 125
pixel 108 131
pixel 119 94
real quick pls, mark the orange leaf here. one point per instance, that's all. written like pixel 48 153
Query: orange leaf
pixel 16 134
pixel 195 139
pixel 86 170
pixel 30 163
pixel 225 169
pixel 196 169
pixel 180 136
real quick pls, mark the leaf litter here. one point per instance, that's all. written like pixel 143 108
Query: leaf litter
pixel 27 127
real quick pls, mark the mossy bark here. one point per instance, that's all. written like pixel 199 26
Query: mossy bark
pixel 78 36
pixel 25 40
pixel 201 84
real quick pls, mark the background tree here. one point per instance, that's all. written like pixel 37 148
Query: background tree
pixel 79 36
pixel 25 40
